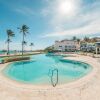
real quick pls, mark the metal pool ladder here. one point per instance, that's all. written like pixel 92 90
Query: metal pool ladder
pixel 52 74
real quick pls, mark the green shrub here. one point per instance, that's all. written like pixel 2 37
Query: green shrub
pixel 11 59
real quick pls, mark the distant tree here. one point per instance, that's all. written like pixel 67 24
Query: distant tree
pixel 10 34
pixel 86 39
pixel 74 38
pixel 31 45
pixel 93 40
pixel 24 43
pixel 78 40
pixel 49 49
pixel 4 50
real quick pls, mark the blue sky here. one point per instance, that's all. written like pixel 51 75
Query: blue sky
pixel 49 20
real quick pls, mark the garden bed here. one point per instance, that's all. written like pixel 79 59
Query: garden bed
pixel 11 59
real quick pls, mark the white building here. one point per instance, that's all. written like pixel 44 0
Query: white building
pixel 87 47
pixel 97 47
pixel 66 45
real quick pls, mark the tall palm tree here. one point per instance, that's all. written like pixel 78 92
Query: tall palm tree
pixel 10 34
pixel 31 45
pixel 24 30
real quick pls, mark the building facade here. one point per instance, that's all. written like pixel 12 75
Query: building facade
pixel 97 47
pixel 87 47
pixel 66 45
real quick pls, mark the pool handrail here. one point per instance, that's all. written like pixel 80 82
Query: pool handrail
pixel 54 84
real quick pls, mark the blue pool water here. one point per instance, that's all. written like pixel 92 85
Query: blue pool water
pixel 38 70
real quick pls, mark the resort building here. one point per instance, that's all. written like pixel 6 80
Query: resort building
pixel 97 39
pixel 90 47
pixel 66 45
pixel 97 47
pixel 87 47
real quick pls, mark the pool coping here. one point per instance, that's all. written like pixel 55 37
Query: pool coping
pixel 77 83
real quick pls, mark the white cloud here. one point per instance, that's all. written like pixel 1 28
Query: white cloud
pixel 91 28
pixel 75 20
pixel 61 11
pixel 25 10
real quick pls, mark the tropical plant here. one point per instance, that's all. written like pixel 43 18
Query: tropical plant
pixel 49 49
pixel 31 45
pixel 10 34
pixel 24 30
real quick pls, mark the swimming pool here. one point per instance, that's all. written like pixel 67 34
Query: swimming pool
pixel 38 70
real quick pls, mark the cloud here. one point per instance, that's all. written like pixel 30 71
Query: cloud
pixel 89 29
pixel 60 11
pixel 77 19
pixel 25 11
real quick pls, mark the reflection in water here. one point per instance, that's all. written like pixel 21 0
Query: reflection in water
pixel 23 69
pixel 55 58
pixel 23 62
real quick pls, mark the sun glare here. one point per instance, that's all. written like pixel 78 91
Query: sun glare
pixel 66 7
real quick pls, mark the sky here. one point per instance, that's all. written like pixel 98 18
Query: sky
pixel 48 20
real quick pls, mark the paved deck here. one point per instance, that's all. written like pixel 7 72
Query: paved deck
pixel 86 89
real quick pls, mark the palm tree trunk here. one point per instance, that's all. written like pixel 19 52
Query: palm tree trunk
pixel 8 46
pixel 23 45
pixel 8 49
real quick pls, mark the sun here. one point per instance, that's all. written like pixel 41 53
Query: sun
pixel 66 7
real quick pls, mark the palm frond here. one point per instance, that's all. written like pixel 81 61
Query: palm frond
pixel 24 43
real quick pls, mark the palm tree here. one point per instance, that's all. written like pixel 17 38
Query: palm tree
pixel 78 40
pixel 74 38
pixel 24 30
pixel 31 45
pixel 10 34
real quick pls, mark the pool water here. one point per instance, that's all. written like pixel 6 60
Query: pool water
pixel 38 70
